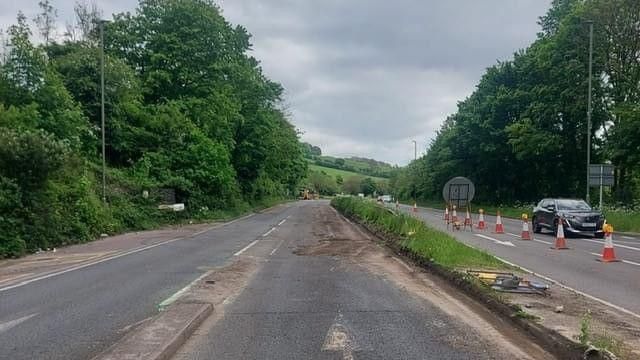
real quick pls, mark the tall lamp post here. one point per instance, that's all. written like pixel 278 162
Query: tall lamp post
pixel 415 150
pixel 104 166
pixel 589 109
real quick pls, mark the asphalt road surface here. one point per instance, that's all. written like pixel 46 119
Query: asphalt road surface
pixel 308 302
pixel 615 283
pixel 302 303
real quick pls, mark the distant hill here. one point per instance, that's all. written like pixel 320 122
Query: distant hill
pixel 359 165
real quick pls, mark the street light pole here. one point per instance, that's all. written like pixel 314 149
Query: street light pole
pixel 415 150
pixel 589 109
pixel 104 167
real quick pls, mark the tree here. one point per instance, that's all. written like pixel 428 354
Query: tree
pixel 368 186
pixel 46 20
pixel 351 185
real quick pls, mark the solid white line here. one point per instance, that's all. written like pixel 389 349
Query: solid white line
pixel 596 254
pixel 282 222
pixel 133 251
pixel 246 248
pixel 619 308
pixel 629 237
pixel 269 232
pixel 542 241
pixel 170 300
pixel 10 324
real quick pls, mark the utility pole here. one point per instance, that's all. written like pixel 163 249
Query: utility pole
pixel 415 150
pixel 589 104
pixel 104 166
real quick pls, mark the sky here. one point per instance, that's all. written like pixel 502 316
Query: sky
pixel 366 77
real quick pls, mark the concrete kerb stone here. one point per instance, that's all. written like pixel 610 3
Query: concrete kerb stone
pixel 549 339
pixel 160 338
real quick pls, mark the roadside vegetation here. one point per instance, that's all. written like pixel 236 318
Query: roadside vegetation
pixel 418 237
pixel 189 119
pixel 521 135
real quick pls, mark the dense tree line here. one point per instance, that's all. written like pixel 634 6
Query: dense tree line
pixel 188 109
pixel 522 134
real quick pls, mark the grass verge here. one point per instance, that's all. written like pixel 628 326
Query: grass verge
pixel 430 243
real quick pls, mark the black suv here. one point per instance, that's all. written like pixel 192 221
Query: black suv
pixel 577 216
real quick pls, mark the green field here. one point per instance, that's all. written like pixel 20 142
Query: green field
pixel 345 174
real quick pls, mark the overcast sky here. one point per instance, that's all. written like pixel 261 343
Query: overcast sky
pixel 366 77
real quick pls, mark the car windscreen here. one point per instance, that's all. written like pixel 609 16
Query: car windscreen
pixel 572 205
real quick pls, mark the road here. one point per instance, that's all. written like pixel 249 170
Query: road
pixel 303 301
pixel 614 283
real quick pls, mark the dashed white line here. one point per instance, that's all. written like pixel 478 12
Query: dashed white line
pixel 277 247
pixel 506 243
pixel 282 222
pixel 10 324
pixel 246 248
pixel 542 241
pixel 629 237
pixel 616 245
pixel 512 234
pixel 269 232
pixel 631 262
pixel 170 300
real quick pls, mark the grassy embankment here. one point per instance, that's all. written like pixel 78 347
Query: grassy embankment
pixel 417 237
pixel 343 173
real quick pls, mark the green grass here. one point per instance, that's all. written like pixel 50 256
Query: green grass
pixel 428 242
pixel 623 220
pixel 345 174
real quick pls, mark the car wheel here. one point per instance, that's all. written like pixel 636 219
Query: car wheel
pixel 536 227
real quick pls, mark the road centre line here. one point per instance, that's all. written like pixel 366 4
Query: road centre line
pixel 246 248
pixel 269 232
pixel 624 261
pixel 10 324
pixel 116 256
pixel 506 243
pixel 512 234
pixel 171 299
pixel 282 222
pixel 618 245
pixel 277 247
pixel 628 237
pixel 542 241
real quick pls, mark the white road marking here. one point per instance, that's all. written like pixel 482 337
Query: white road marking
pixel 596 254
pixel 558 283
pixel 269 232
pixel 629 237
pixel 246 248
pixel 10 324
pixel 512 234
pixel 171 299
pixel 282 222
pixel 134 251
pixel 277 247
pixel 614 244
pixel 631 262
pixel 506 243
pixel 542 241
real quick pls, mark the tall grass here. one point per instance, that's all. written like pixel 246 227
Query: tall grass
pixel 430 243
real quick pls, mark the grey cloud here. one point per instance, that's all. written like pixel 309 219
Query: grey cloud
pixel 365 77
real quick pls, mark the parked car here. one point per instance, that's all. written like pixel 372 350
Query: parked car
pixel 578 218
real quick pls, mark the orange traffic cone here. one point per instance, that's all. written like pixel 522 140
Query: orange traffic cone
pixel 481 224
pixel 467 220
pixel 607 252
pixel 446 213
pixel 525 228
pixel 415 207
pixel 561 243
pixel 499 226
pixel 454 215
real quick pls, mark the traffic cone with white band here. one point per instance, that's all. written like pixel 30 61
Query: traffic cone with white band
pixel 499 226
pixel 446 214
pixel 467 220
pixel 415 207
pixel 454 215
pixel 481 224
pixel 608 254
pixel 561 243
